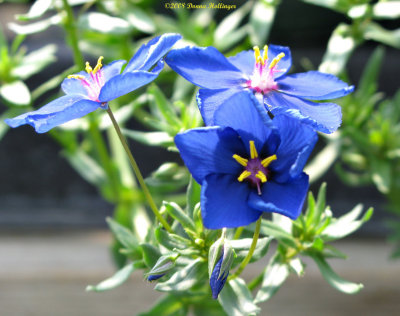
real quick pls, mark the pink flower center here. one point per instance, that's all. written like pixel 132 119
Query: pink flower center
pixel 262 79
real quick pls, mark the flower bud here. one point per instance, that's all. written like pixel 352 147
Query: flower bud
pixel 163 265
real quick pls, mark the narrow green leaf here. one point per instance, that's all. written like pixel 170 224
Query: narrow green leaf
pixel 192 196
pixel 236 299
pixel 261 18
pixel 297 266
pixel 37 9
pixel 103 23
pixel 386 10
pixel 185 278
pixel 122 234
pixel 16 93
pixel 177 213
pixel 242 246
pixel 381 175
pixel 168 305
pixel 150 254
pixel 117 279
pixel 170 241
pixel 375 32
pixel 35 27
pixel 274 276
pixel 140 20
pixel 150 138
pixel 268 228
pixel 332 278
pixel 164 106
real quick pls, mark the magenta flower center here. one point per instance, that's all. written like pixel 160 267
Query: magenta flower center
pixel 255 169
pixel 262 79
pixel 94 81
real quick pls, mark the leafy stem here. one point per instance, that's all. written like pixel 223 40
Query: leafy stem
pixel 138 174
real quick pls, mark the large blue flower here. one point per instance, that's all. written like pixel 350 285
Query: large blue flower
pixel 248 164
pixel 87 91
pixel 262 74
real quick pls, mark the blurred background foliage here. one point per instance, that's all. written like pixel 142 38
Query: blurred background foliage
pixel 365 151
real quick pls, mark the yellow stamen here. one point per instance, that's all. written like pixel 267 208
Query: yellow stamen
pixel 88 68
pixel 265 54
pixel 244 175
pixel 240 160
pixel 268 160
pixel 253 150
pixel 75 77
pixel 257 55
pixel 99 65
pixel 260 175
pixel 276 60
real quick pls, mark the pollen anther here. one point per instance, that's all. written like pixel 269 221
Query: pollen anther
pixel 75 77
pixel 240 160
pixel 265 54
pixel 257 55
pixel 253 150
pixel 244 175
pixel 276 60
pixel 260 175
pixel 265 163
pixel 98 65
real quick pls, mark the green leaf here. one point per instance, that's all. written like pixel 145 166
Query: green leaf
pixel 164 106
pixel 37 9
pixel 150 254
pixel 346 224
pixel 86 166
pixel 261 18
pixel 297 266
pixel 103 23
pixel 386 10
pixel 35 62
pixel 140 20
pixel 170 241
pixel 35 27
pixel 16 93
pixel 236 299
pixel 275 274
pixel 185 278
pixel 192 196
pixel 269 228
pixel 123 234
pixel 332 278
pixel 242 246
pixel 381 175
pixel 178 214
pixel 370 74
pixel 164 264
pixel 150 138
pixel 168 305
pixel 340 46
pixel 375 32
pixel 117 279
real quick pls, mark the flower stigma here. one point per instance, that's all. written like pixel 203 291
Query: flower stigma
pixel 262 79
pixel 255 171
pixel 94 82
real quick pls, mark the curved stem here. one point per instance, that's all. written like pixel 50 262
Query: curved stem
pixel 238 232
pixel 251 251
pixel 138 173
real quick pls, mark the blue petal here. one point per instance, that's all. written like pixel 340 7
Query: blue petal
pixel 125 83
pixel 314 85
pixel 75 86
pixel 297 143
pixel 112 69
pixel 149 54
pixel 244 61
pixel 324 117
pixel 217 281
pixel 285 63
pixel 244 113
pixel 57 112
pixel 224 202
pixel 205 67
pixel 209 150
pixel 286 199
pixel 209 100
pixel 154 277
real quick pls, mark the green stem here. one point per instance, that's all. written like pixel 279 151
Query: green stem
pixel 70 28
pixel 138 173
pixel 255 282
pixel 238 232
pixel 251 251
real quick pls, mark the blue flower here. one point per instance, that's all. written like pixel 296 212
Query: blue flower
pixel 87 91
pixel 155 277
pixel 263 74
pixel 248 164
pixel 218 279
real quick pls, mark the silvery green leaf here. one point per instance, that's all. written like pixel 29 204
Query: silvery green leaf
pixel 381 175
pixel 340 47
pixel 236 299
pixel 140 20
pixel 178 214
pixel 170 241
pixel 16 93
pixel 123 234
pixel 150 254
pixel 297 266
pixel 35 62
pixel 274 275
pixel 117 279
pixel 103 23
pixel 242 246
pixel 269 228
pixel 333 279
pixel 375 32
pixel 185 278
pixel 150 138
pixel 261 18
pixel 192 196
pixel 167 305
pixel 35 27
pixel 38 8
pixel 386 10
pixel 164 264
